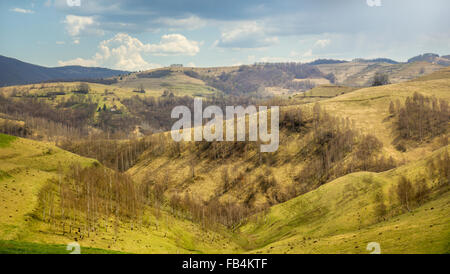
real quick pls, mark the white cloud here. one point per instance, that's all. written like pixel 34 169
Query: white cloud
pixel 94 62
pixel 304 57
pixel 76 24
pixel 272 59
pixel 173 44
pixel 246 35
pixel 322 43
pixel 125 52
pixel 373 3
pixel 74 3
pixel 308 53
pixel 189 23
pixel 25 11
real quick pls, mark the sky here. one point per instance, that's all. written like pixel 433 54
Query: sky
pixel 138 35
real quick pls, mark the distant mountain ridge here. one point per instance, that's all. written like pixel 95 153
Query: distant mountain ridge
pixel 16 72
pixel 432 58
pixel 376 60
pixel 326 62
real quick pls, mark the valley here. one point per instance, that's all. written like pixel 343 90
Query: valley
pixel 94 163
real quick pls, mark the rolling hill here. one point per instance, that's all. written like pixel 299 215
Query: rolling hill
pixel 15 72
pixel 367 109
pixel 431 58
pixel 355 73
pixel 172 80
pixel 25 169
pixel 279 209
pixel 360 73
pixel 340 217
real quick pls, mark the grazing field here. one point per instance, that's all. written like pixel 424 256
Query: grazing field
pixel 14 247
pixel 327 91
pixel 369 110
pixel 176 82
pixel 340 217
pixel 28 165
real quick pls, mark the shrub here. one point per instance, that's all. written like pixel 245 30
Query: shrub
pixel 380 79
pixel 405 192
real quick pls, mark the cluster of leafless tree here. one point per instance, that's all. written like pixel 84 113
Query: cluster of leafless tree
pixel 116 123
pixel 332 149
pixel 66 118
pixel 42 120
pixel 116 154
pixel 439 168
pixel 421 117
pixel 75 117
pixel 89 198
pixel 300 85
pixel 93 198
pixel 156 111
pixel 250 79
pixel 407 194
pixel 13 127
pixel 210 213
pixel 331 142
pixel 33 107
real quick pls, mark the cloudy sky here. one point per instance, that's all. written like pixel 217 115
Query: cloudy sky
pixel 142 34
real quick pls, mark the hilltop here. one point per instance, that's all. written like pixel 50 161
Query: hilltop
pixel 15 72
pixel 361 73
pixel 358 72
pixel 431 58
pixel 282 79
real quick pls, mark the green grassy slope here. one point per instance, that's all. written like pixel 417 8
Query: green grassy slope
pixel 14 247
pixel 327 91
pixel 368 108
pixel 27 165
pixel 5 140
pixel 339 218
pixel 335 218
pixel 177 82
